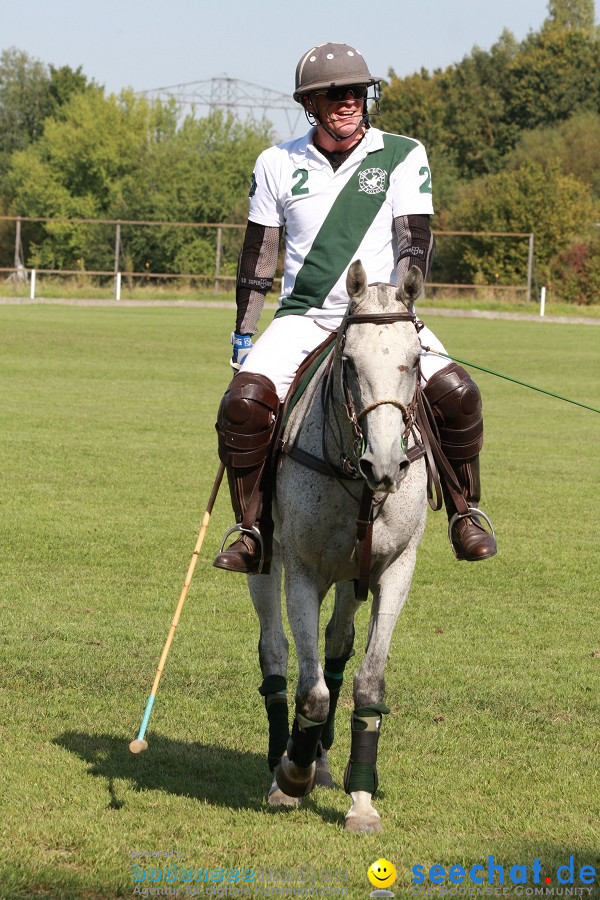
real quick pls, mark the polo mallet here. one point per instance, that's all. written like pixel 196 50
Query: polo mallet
pixel 140 744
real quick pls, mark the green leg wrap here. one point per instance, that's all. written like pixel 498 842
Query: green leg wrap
pixel 361 771
pixel 306 734
pixel 334 678
pixel 273 689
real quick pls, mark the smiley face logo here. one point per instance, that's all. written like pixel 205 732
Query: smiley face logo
pixel 381 873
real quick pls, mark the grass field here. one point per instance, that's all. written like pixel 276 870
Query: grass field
pixel 108 455
pixel 479 298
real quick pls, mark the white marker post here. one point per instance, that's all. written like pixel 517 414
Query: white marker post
pixel 542 301
pixel 32 285
pixel 118 286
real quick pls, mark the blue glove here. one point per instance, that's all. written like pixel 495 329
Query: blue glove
pixel 242 345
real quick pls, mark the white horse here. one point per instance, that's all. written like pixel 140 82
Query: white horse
pixel 359 418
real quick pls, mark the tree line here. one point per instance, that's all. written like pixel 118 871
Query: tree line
pixel 513 136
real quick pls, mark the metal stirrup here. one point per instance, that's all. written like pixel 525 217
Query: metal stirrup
pixel 472 511
pixel 253 532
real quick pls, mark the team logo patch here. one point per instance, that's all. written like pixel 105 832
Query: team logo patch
pixel 372 181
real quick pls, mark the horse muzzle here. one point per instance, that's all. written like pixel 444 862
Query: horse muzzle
pixel 384 477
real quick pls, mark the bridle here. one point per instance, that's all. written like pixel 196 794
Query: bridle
pixel 348 468
pixel 369 506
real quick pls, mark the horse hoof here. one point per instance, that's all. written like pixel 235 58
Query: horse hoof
pixel 276 797
pixel 362 824
pixel 324 777
pixel 293 780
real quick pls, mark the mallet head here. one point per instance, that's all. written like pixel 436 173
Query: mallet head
pixel 138 746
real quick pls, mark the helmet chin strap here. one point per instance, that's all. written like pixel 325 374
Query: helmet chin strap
pixel 313 119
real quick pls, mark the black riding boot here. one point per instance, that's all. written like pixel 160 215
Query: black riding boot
pixel 245 426
pixel 456 403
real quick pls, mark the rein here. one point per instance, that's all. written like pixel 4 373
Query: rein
pixel 367 503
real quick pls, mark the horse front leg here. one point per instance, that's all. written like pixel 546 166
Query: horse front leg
pixel 265 591
pixel 361 779
pixel 339 648
pixel 296 773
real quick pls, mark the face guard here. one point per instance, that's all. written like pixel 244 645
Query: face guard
pixel 338 96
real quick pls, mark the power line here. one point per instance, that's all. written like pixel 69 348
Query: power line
pixel 224 92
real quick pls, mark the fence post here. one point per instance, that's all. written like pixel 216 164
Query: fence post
pixel 32 286
pixel 118 286
pixel 218 258
pixel 17 244
pixel 117 254
pixel 529 267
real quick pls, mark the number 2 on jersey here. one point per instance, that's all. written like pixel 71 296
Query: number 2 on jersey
pixel 302 176
pixel 425 185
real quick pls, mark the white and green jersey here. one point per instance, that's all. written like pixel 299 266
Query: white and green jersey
pixel 332 218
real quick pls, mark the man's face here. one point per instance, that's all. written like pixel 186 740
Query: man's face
pixel 341 109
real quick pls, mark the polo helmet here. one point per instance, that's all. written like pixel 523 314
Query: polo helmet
pixel 328 66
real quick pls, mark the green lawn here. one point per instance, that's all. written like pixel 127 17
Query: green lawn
pixel 478 298
pixel 108 455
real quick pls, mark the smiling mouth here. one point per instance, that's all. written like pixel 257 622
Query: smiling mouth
pixel 343 117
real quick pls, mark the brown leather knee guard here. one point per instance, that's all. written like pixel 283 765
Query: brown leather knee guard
pixel 456 403
pixel 245 420
pixel 245 426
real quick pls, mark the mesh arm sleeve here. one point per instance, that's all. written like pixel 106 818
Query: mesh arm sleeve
pixel 256 268
pixel 416 245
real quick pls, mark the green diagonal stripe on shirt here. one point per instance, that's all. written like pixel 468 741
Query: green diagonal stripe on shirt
pixel 341 233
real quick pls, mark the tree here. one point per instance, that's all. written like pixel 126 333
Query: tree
pixel 574 143
pixel 556 73
pixel 29 93
pixel 24 101
pixel 471 113
pixel 459 112
pixel 536 198
pixel 64 83
pixel 564 14
pixel 575 272
pixel 128 158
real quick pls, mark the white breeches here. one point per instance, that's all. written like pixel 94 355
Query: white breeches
pixel 285 344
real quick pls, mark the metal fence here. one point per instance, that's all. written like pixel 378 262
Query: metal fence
pixel 19 272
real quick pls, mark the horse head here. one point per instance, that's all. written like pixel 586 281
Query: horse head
pixel 378 354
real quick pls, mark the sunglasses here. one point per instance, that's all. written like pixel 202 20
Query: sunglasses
pixel 337 94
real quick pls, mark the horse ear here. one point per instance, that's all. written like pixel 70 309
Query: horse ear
pixel 411 287
pixel 356 282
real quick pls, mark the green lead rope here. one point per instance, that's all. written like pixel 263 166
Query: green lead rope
pixel 508 378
